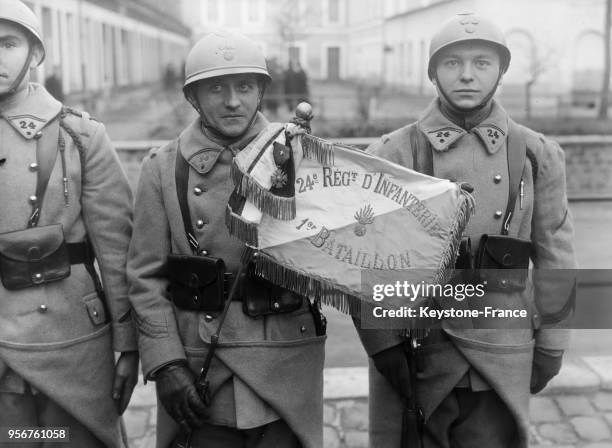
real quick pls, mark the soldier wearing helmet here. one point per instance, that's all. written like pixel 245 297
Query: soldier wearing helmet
pixel 266 375
pixel 472 386
pixel 59 328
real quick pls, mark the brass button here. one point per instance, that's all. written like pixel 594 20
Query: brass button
pixel 203 252
pixel 95 313
pixel 200 223
pixel 37 135
pixel 498 214
pixel 303 329
pixel 197 191
pixel 33 199
pixel 38 276
pixel 208 318
pixel 504 283
pixel 276 305
pixel 33 166
pixel 42 309
pixel 497 178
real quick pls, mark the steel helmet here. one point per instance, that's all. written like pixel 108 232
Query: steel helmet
pixel 17 12
pixel 224 53
pixel 468 27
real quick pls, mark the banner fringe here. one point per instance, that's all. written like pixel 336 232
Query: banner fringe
pixel 318 149
pixel 449 257
pixel 307 285
pixel 278 207
pixel 241 229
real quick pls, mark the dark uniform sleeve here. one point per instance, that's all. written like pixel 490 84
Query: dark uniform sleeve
pixel 106 201
pixel 158 336
pixel 553 249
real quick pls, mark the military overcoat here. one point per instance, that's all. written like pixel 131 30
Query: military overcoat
pixel 500 351
pixel 265 368
pixel 60 337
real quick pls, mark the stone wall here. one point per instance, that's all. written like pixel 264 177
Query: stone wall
pixel 588 163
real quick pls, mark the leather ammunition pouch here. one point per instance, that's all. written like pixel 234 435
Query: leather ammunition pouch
pixel 502 262
pixel 200 283
pixel 260 297
pixel 197 283
pixel 33 256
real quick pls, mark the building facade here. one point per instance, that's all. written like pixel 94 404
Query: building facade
pixel 313 32
pixel 102 44
pixel 557 45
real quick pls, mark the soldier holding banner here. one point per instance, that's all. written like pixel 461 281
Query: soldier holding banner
pixel 264 384
pixel 472 385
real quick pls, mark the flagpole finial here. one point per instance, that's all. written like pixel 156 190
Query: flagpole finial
pixel 303 115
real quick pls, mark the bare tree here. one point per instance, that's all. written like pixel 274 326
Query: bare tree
pixel 605 88
pixel 291 18
pixel 539 58
pixel 540 63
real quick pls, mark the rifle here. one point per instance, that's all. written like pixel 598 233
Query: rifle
pixel 203 385
pixel 412 417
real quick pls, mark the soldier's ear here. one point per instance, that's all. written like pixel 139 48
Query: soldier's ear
pixel 37 54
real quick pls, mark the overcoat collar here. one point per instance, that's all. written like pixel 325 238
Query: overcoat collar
pixel 30 112
pixel 202 152
pixel 442 133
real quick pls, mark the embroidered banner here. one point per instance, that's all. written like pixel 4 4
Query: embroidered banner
pixel 322 214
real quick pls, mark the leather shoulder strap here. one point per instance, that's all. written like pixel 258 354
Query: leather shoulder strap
pixel 517 152
pixel 47 148
pixel 181 174
pixel 422 156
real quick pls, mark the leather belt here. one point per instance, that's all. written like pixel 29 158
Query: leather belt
pixel 228 278
pixel 80 253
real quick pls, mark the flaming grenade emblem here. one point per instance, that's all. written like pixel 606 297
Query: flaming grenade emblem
pixel 364 217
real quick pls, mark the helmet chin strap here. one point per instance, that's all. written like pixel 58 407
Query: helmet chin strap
pixel 15 86
pixel 468 110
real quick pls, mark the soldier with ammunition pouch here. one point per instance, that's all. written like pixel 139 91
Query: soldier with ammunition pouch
pixel 193 296
pixel 65 202
pixel 468 384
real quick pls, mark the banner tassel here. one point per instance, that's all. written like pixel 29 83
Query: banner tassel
pixel 278 207
pixel 449 257
pixel 318 149
pixel 241 229
pixel 306 285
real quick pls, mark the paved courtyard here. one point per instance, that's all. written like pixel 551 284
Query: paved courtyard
pixel 574 411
